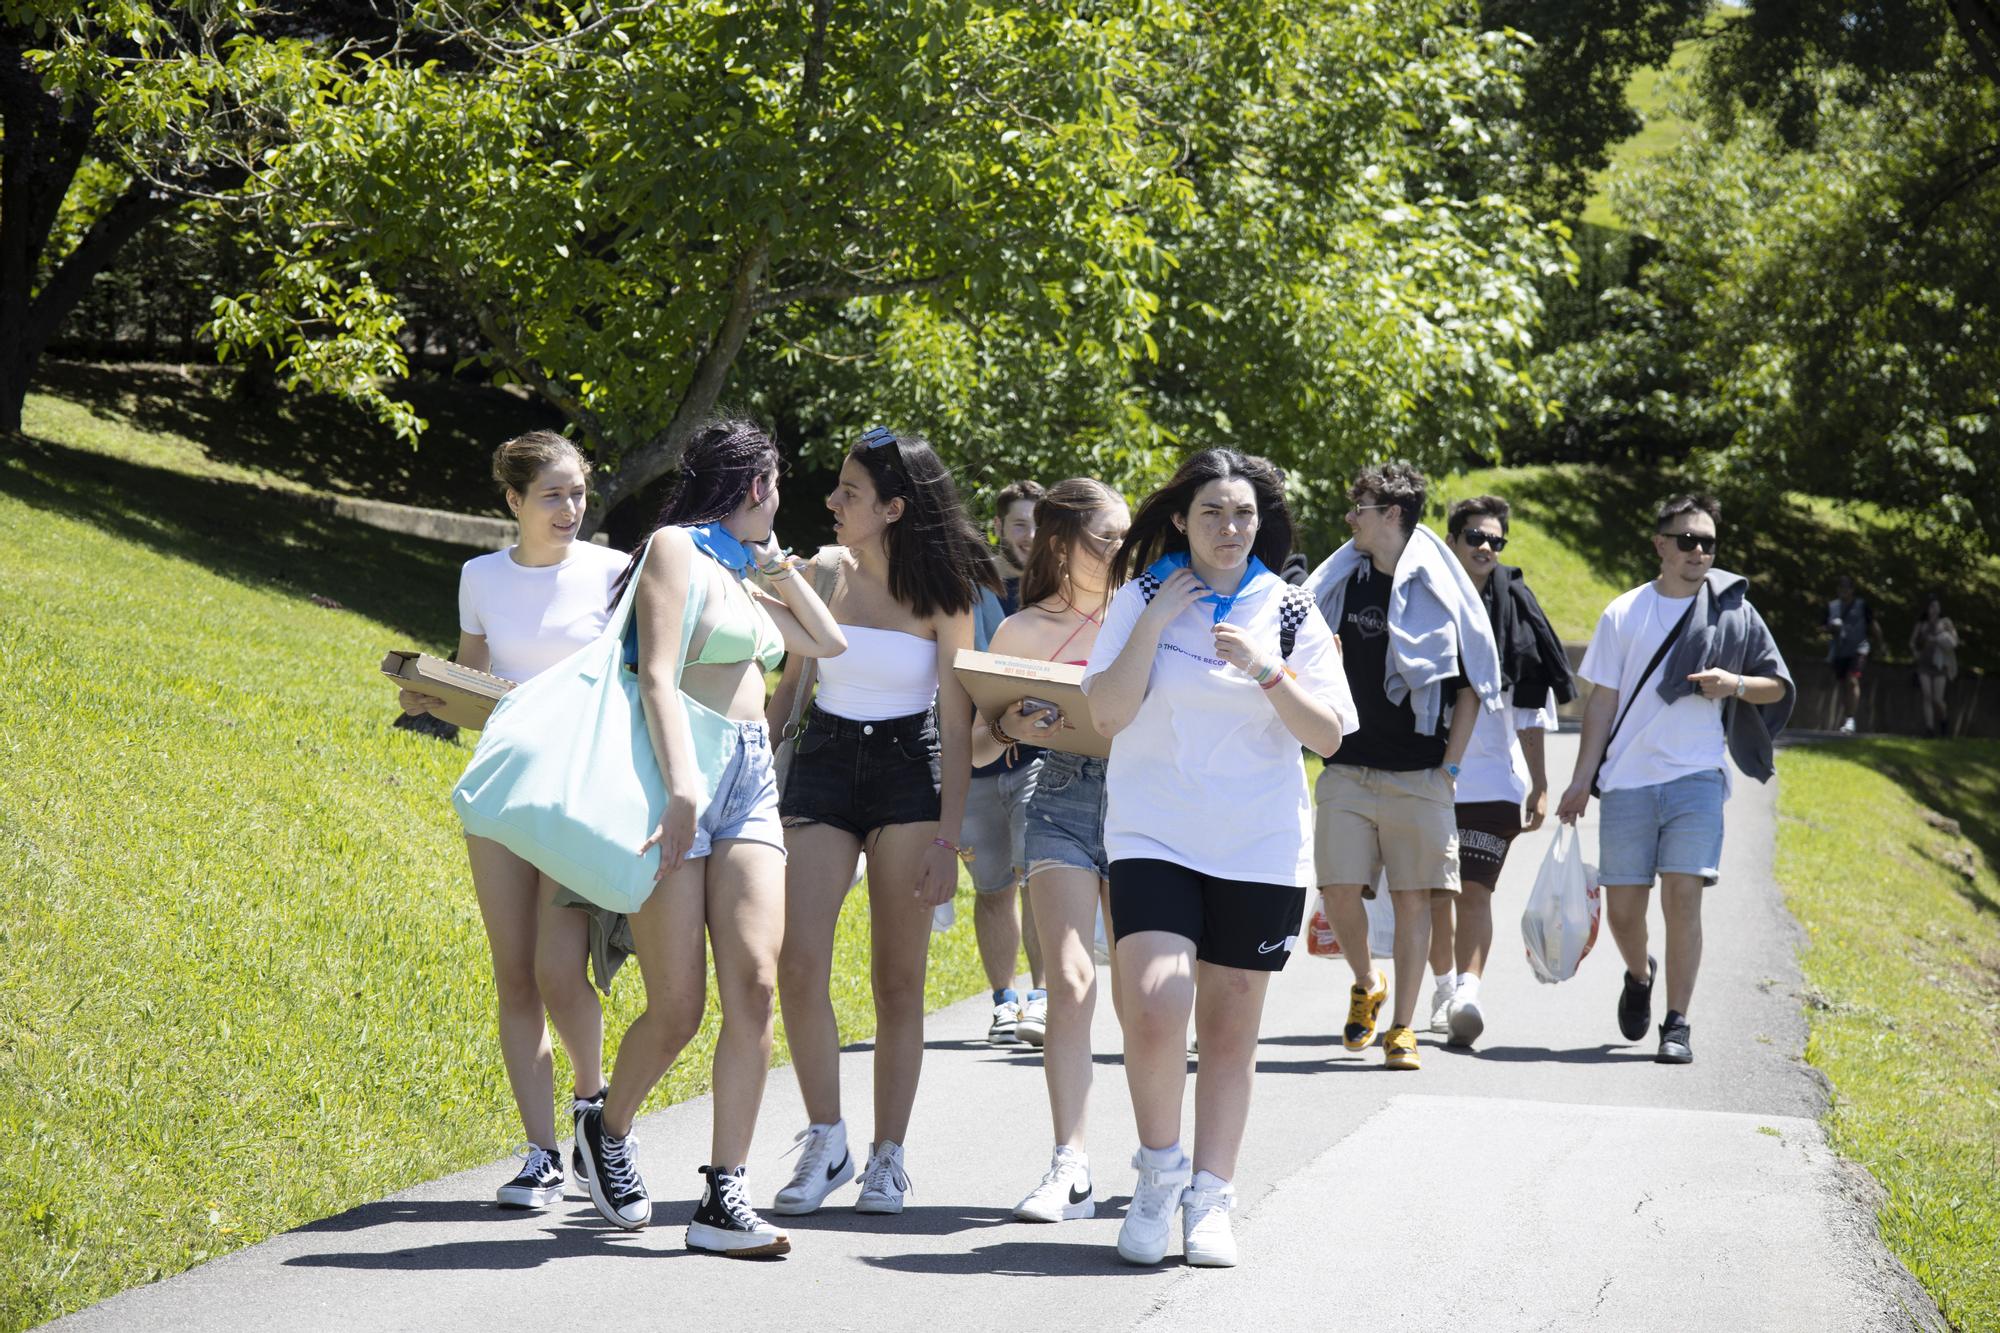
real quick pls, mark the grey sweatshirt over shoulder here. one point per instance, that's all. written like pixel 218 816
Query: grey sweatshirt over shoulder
pixel 1724 630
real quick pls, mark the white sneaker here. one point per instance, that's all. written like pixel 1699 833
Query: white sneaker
pixel 1207 1239
pixel 1467 1020
pixel 824 1166
pixel 1034 1026
pixel 1006 1027
pixel 1149 1217
pixel 1064 1194
pixel 1441 1002
pixel 884 1183
pixel 1847 727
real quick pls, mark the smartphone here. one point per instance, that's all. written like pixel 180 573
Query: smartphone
pixel 1031 707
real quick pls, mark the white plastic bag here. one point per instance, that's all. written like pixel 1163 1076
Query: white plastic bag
pixel 1321 942
pixel 1560 923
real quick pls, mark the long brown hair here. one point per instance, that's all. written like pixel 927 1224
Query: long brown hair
pixel 938 562
pixel 1062 523
pixel 1153 533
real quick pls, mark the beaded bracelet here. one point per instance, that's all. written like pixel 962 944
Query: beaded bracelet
pixel 962 853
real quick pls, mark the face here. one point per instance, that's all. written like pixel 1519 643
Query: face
pixel 1474 546
pixel 552 508
pixel 1376 525
pixel 1016 529
pixel 1221 523
pixel 859 514
pixel 1090 558
pixel 1690 566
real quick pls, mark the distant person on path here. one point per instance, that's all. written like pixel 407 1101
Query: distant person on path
pixel 521 611
pixel 1210 671
pixel 996 807
pixel 722 864
pixel 1851 630
pixel 1934 646
pixel 1503 782
pixel 1417 646
pixel 1685 673
pixel 1079 526
pixel 881 767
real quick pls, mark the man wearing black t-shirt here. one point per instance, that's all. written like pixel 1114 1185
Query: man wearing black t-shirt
pixel 1419 655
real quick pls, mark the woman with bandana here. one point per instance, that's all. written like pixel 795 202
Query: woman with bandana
pixel 722 855
pixel 1210 672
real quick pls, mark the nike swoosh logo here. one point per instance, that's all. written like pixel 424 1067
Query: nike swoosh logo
pixel 1078 1195
pixel 1285 943
pixel 837 1167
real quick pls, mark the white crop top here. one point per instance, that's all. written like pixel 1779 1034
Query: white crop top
pixel 532 617
pixel 884 673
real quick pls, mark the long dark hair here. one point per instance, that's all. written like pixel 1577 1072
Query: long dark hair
pixel 937 560
pixel 719 464
pixel 1062 523
pixel 1153 532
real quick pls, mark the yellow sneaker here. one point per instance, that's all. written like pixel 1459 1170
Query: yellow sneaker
pixel 1364 1006
pixel 1399 1050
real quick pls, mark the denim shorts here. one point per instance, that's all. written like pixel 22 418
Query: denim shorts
pixel 1674 828
pixel 996 825
pixel 745 805
pixel 1066 815
pixel 861 776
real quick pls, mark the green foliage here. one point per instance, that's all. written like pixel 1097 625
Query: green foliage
pixel 1902 972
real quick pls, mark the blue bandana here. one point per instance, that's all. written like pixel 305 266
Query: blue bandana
pixel 722 547
pixel 1223 604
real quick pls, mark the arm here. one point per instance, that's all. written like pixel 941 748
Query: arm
pixel 1311 720
pixel 1535 751
pixel 1010 638
pixel 472 652
pixel 1464 717
pixel 778 709
pixel 1117 692
pixel 1715 683
pixel 1599 712
pixel 938 879
pixel 659 602
pixel 803 620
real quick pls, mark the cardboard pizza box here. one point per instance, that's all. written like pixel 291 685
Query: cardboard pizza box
pixel 997 682
pixel 468 695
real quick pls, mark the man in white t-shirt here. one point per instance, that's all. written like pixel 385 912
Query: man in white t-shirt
pixel 1684 670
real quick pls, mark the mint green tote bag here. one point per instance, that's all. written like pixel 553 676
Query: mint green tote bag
pixel 565 776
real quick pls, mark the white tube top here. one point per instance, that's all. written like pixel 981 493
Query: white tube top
pixel 884 673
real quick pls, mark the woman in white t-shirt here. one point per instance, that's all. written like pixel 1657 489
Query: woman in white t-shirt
pixel 521 611
pixel 1210 672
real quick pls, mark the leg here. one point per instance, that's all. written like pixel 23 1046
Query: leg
pixel 1443 936
pixel 998 930
pixel 1031 942
pixel 1680 903
pixel 818 873
pixel 1229 1009
pixel 1625 912
pixel 668 938
pixel 1068 921
pixel 508 889
pixel 1413 943
pixel 1156 972
pixel 1474 903
pixel 899 954
pixel 1349 919
pixel 746 928
pixel 1111 955
pixel 562 950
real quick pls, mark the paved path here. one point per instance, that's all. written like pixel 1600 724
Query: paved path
pixel 1552 1179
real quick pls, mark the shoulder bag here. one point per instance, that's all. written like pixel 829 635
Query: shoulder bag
pixel 1659 656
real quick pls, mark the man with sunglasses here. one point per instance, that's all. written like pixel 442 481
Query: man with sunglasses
pixel 1684 670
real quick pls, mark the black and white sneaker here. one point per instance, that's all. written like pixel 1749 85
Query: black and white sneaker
pixel 577 1106
pixel 615 1186
pixel 1676 1048
pixel 537 1185
pixel 725 1223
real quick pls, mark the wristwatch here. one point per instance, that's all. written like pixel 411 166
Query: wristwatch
pixel 1453 770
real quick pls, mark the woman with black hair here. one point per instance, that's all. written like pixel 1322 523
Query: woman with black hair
pixel 881 766
pixel 722 852
pixel 1210 671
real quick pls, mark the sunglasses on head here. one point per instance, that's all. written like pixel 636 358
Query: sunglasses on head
pixel 1689 541
pixel 1475 538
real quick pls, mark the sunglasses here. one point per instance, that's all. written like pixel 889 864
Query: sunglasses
pixel 1362 509
pixel 877 436
pixel 1689 541
pixel 1475 538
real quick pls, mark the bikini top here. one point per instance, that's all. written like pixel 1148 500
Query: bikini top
pixel 746 633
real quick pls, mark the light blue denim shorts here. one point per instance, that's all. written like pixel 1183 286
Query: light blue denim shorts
pixel 1674 828
pixel 996 825
pixel 1066 815
pixel 745 805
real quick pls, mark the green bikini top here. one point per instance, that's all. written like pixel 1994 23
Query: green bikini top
pixel 746 633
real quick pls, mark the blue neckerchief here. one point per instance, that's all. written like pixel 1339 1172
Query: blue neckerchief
pixel 722 547
pixel 1223 603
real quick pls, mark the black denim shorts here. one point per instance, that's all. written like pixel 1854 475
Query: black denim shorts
pixel 861 776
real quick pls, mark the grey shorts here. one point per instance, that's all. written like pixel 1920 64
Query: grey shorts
pixel 996 825
pixel 745 805
pixel 1066 816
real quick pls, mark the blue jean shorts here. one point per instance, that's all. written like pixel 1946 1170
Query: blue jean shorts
pixel 1066 815
pixel 1674 828
pixel 996 825
pixel 745 805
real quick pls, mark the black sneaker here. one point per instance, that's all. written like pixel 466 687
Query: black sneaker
pixel 1675 1048
pixel 725 1223
pixel 1635 1003
pixel 537 1185
pixel 615 1186
pixel 577 1106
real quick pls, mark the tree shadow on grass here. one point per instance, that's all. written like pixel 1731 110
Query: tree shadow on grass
pixel 1959 780
pixel 260 538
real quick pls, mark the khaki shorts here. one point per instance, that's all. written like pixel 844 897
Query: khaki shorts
pixel 1368 819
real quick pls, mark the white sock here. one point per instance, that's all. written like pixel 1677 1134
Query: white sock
pixel 1448 980
pixel 1468 985
pixel 1161 1159
pixel 1208 1180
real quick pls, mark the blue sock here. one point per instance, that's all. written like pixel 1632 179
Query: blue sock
pixel 1003 996
pixel 1037 994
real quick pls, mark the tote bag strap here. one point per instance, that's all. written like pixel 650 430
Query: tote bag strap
pixel 697 601
pixel 825 577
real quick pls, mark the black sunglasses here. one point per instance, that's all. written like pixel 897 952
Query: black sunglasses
pixel 877 436
pixel 1689 541
pixel 1475 538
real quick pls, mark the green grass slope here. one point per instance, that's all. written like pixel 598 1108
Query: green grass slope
pixel 243 982
pixel 1886 851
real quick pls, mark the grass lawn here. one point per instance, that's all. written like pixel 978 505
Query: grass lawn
pixel 243 982
pixel 1903 988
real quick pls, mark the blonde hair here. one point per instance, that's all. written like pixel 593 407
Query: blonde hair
pixel 517 462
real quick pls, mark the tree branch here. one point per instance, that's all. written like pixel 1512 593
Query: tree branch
pixel 1979 25
pixel 850 290
pixel 531 372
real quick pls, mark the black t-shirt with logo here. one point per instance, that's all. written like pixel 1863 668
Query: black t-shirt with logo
pixel 1388 737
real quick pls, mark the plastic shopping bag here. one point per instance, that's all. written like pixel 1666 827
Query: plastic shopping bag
pixel 1560 923
pixel 1321 942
